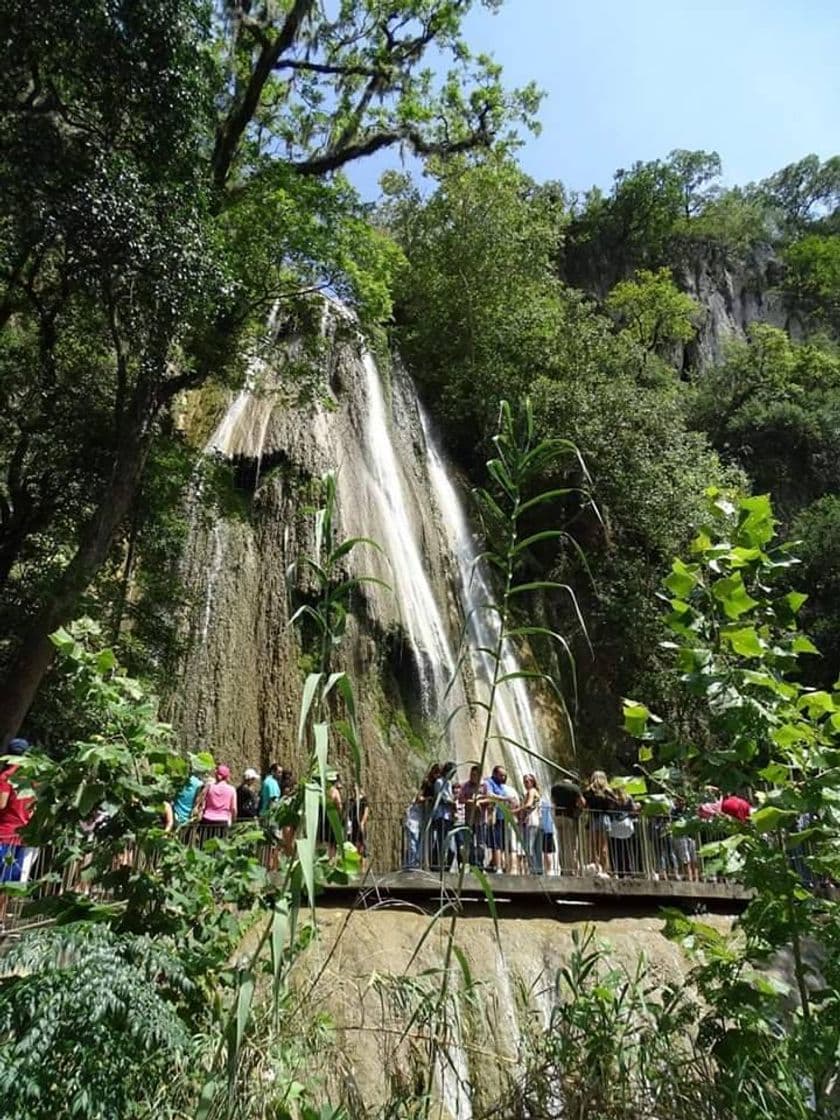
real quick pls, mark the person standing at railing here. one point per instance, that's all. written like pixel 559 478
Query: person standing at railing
pixel 427 795
pixel 546 839
pixel 247 796
pixel 736 807
pixel 443 811
pixel 16 858
pixel 270 791
pixel 219 805
pixel 621 839
pixel 475 815
pixel 568 801
pixel 601 802
pixel 457 837
pixel 685 846
pixel 529 822
pixel 358 812
pixel 189 801
pixel 513 848
pixel 413 826
pixel 496 827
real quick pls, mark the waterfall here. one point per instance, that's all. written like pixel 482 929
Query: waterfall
pixel 419 606
pixel 242 673
pixel 515 726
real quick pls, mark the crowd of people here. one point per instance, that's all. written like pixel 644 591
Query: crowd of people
pixel 593 828
pixel 573 828
pixel 212 805
pixel 206 806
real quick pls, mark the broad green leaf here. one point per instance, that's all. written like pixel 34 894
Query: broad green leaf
pixel 817 703
pixel 682 580
pixel 733 597
pixel 636 717
pixel 794 600
pixel 756 524
pixel 803 644
pixel 769 818
pixel 744 641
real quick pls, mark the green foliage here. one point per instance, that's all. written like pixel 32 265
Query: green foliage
pixel 90 1018
pixel 653 311
pixel 803 192
pixel 651 207
pixel 172 174
pixel 479 304
pixel 522 463
pixel 478 300
pixel 737 650
pixel 812 278
pixel 817 532
pixel 617 1045
pixel 772 407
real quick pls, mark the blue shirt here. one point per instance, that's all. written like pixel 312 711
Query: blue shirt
pixel 546 816
pixel 184 803
pixel 269 792
pixel 496 789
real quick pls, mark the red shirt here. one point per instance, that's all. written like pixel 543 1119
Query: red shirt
pixel 736 807
pixel 17 812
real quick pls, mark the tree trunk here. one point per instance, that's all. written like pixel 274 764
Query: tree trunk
pixel 34 655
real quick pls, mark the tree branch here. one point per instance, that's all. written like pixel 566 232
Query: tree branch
pixel 230 130
pixel 337 157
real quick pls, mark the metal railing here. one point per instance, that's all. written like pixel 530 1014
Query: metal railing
pixel 585 845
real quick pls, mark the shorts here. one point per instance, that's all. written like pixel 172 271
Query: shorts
pixel 685 849
pixel 496 836
pixel 548 843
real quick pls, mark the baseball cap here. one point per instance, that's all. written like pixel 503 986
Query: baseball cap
pixel 222 772
pixel 251 773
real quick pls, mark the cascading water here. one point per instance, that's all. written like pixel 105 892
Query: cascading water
pixel 418 605
pixel 515 727
pixel 241 676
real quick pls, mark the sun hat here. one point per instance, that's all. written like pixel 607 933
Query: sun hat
pixel 222 772
pixel 250 773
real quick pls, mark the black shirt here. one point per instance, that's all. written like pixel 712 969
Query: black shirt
pixel 565 797
pixel 247 803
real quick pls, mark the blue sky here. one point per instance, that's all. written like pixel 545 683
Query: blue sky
pixel 756 80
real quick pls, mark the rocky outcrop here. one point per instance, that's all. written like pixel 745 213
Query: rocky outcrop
pixel 240 686
pixel 732 295
pixel 369 965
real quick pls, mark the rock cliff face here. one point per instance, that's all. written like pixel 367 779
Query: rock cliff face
pixel 365 964
pixel 242 678
pixel 732 296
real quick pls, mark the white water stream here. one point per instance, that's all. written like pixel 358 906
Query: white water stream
pixel 515 731
pixel 418 604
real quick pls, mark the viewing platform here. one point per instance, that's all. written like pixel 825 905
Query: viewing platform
pixel 428 890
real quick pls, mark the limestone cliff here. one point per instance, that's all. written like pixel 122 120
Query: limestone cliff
pixel 732 294
pixel 240 684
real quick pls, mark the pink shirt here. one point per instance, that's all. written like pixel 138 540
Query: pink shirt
pixel 219 803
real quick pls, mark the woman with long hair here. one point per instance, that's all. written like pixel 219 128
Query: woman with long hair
pixel 600 802
pixel 529 822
